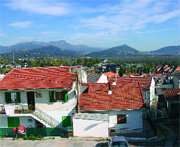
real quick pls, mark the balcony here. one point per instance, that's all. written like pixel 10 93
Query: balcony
pixel 18 108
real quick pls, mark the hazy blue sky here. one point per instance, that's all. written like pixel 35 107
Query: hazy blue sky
pixel 142 24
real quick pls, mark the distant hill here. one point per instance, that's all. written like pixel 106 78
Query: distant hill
pixel 168 50
pixel 115 52
pixel 46 51
pixel 21 45
pixel 63 48
pixel 60 44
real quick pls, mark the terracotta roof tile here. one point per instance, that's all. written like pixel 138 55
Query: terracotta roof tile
pixel 169 93
pixel 144 82
pixel 38 78
pixel 121 98
pixel 111 74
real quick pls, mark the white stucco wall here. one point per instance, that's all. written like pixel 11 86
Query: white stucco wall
pixel 3 122
pixel 83 76
pixel 102 79
pixel 152 90
pixel 23 121
pixel 23 96
pixel 176 82
pixel 55 109
pixel 90 128
pixel 133 119
pixel 2 97
pixel 44 97
pixel 59 114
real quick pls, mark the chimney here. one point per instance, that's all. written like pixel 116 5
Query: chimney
pixel 114 83
pixel 109 92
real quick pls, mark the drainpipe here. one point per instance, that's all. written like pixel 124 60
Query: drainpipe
pixel 109 92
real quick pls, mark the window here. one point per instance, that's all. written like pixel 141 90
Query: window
pixel 12 97
pixel 30 120
pixel 38 95
pixel 121 119
pixel 61 96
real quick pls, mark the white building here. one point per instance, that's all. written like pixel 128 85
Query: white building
pixel 176 79
pixel 121 103
pixel 38 97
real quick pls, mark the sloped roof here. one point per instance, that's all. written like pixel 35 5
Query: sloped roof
pixel 111 74
pixel 93 77
pixel 144 82
pixel 124 96
pixel 157 75
pixel 38 78
pixel 178 68
pixel 169 93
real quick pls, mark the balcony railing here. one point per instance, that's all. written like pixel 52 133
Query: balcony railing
pixel 18 108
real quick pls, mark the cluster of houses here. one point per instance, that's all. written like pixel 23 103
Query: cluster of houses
pixel 93 104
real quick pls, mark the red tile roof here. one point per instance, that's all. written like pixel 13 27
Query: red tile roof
pixel 169 93
pixel 124 96
pixel 111 74
pixel 178 68
pixel 144 82
pixel 157 75
pixel 38 78
pixel 166 66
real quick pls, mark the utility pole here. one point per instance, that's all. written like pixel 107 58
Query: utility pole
pixel 13 57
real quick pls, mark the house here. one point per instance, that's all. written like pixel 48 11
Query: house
pixel 162 83
pixel 176 78
pixel 38 97
pixel 16 66
pixel 147 85
pixel 173 101
pixel 111 74
pixel 107 108
pixel 159 69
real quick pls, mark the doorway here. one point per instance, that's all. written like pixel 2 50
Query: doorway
pixel 30 99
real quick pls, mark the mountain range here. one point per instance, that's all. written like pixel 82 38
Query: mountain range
pixel 168 50
pixel 60 44
pixel 63 49
pixel 115 52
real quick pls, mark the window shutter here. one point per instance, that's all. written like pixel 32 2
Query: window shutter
pixel 7 97
pixel 18 97
pixel 51 96
pixel 66 121
pixel 66 97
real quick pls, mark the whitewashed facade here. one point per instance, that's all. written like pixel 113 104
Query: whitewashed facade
pixel 48 113
pixel 90 125
pixel 102 79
